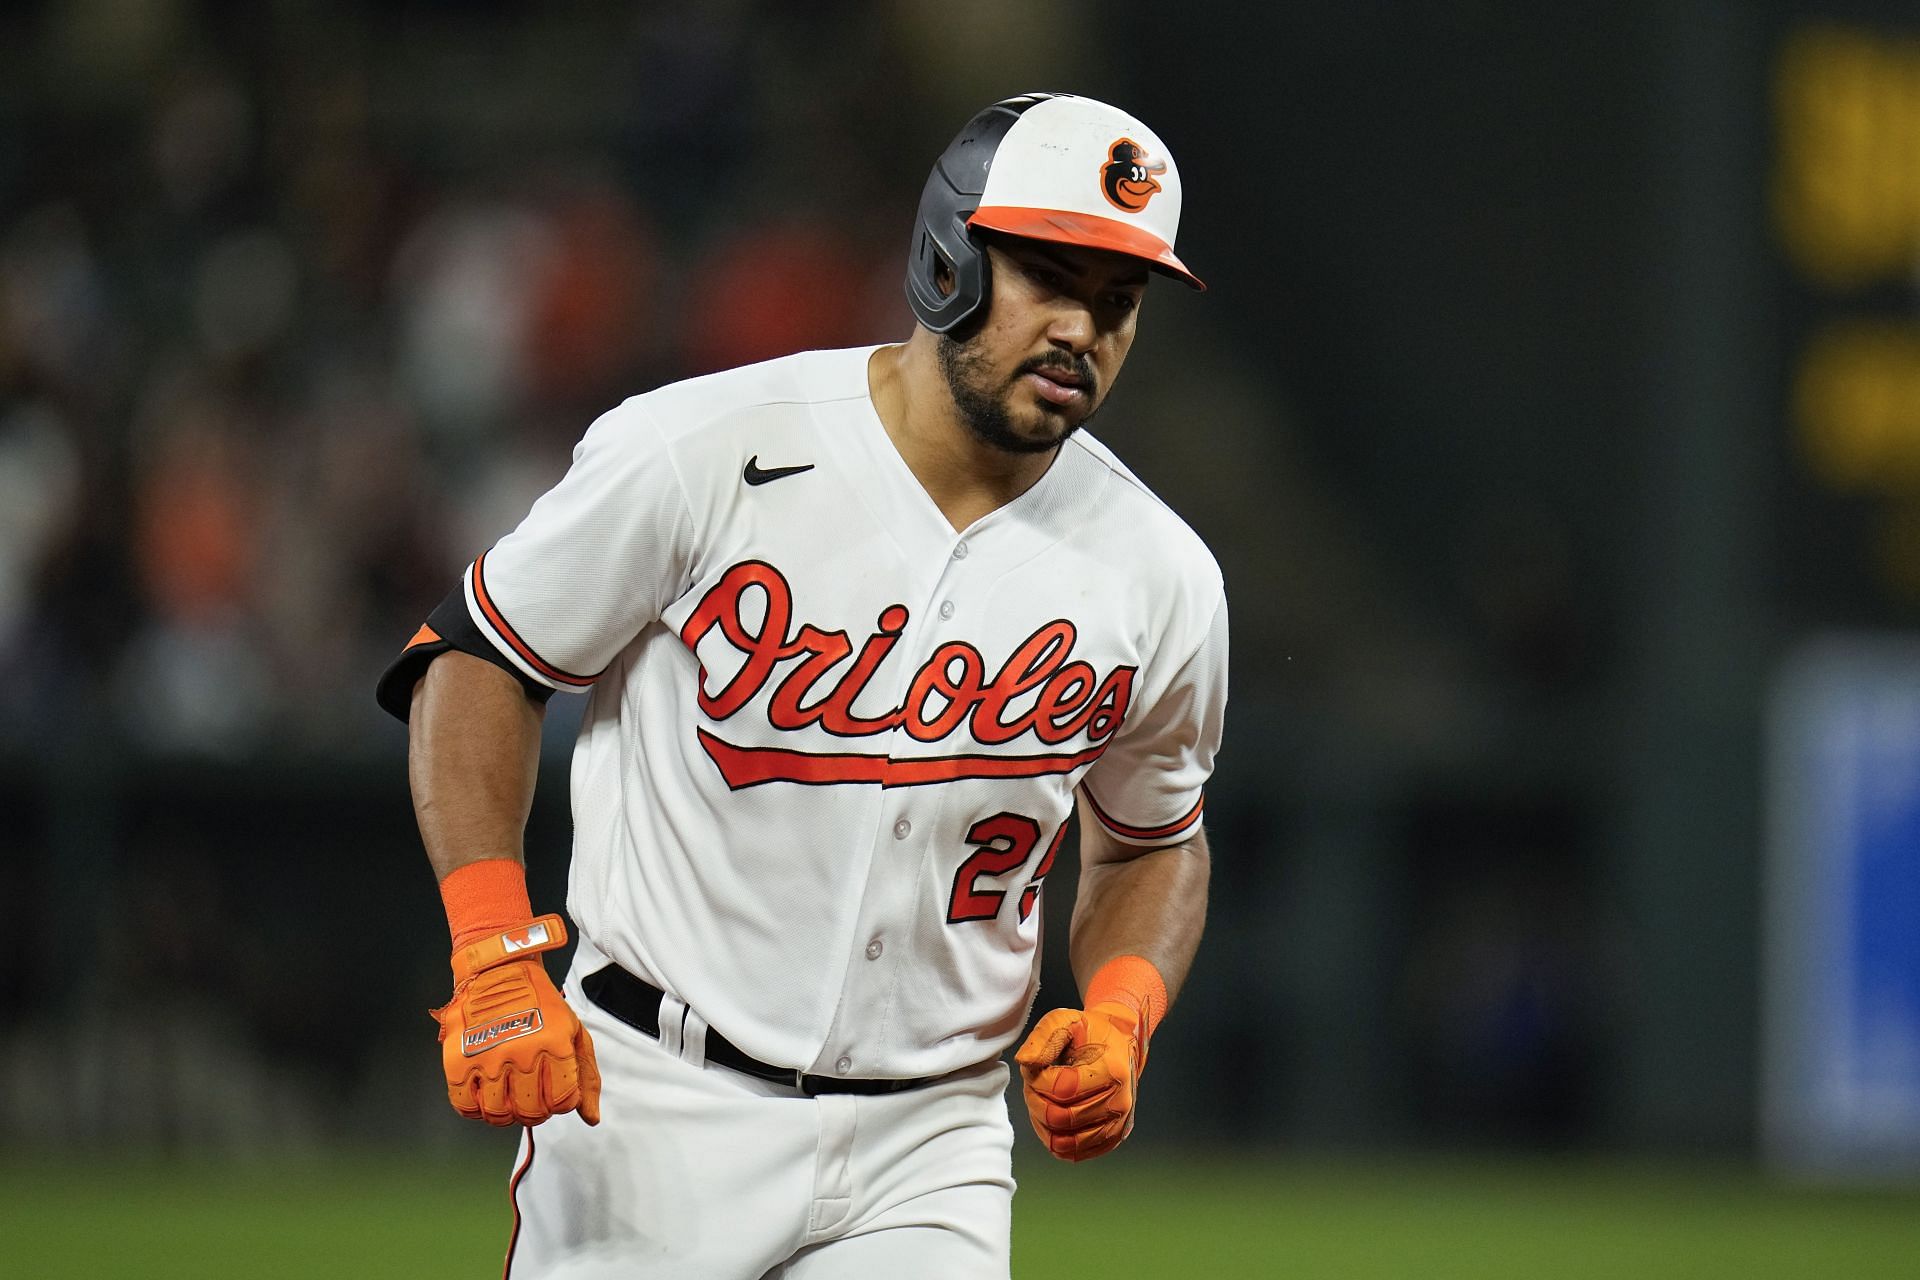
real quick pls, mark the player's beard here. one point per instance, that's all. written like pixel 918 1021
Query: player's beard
pixel 983 408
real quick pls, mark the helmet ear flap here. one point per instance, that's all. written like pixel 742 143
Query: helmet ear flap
pixel 941 241
pixel 947 272
pixel 962 282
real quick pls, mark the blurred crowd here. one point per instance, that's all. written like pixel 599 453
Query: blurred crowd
pixel 297 317
pixel 274 366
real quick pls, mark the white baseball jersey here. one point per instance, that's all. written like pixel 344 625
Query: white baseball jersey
pixel 832 744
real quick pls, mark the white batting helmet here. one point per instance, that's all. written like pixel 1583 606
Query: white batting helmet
pixel 1047 166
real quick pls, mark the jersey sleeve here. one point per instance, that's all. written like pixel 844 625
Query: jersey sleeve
pixel 1148 788
pixel 598 557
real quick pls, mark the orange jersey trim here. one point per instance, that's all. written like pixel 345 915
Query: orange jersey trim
pixel 425 635
pixel 1091 230
pixel 506 632
pixel 1144 833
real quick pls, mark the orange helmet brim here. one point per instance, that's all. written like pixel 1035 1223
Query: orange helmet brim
pixel 1089 230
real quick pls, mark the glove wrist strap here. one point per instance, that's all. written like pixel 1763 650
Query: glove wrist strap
pixel 518 943
pixel 1134 982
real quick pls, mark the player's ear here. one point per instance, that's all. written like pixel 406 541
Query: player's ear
pixel 943 278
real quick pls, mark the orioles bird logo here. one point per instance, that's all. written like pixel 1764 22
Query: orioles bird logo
pixel 1126 179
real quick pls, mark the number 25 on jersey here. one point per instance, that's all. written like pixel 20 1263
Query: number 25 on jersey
pixel 1001 844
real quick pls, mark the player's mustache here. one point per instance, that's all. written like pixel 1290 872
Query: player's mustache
pixel 1059 361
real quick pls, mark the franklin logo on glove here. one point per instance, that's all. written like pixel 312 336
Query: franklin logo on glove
pixel 519 1024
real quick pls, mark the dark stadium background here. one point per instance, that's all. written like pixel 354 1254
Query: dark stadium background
pixel 1497 416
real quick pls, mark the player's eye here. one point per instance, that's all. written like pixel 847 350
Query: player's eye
pixel 1123 302
pixel 1043 275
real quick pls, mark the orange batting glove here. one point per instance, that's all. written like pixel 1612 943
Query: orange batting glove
pixel 514 1052
pixel 1080 1069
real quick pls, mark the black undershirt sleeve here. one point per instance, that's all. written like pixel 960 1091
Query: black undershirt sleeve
pixel 448 627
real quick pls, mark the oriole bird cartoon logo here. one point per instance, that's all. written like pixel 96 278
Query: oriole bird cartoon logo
pixel 1127 178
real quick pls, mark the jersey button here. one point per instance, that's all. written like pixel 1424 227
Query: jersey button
pixel 946 608
pixel 874 949
pixel 902 829
pixel 843 1066
pixel 960 551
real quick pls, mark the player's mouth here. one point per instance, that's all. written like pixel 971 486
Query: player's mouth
pixel 1062 387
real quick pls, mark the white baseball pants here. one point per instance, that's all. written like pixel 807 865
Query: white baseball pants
pixel 697 1172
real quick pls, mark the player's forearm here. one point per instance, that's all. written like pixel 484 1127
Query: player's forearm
pixel 473 754
pixel 1153 905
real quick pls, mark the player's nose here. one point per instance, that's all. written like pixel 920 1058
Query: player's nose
pixel 1072 328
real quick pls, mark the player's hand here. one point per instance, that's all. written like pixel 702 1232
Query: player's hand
pixel 514 1052
pixel 1080 1071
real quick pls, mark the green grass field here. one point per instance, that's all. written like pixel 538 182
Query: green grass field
pixel 1138 1217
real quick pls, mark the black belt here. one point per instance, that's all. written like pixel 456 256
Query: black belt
pixel 637 1004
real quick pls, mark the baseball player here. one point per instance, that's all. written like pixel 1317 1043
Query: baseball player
pixel 859 630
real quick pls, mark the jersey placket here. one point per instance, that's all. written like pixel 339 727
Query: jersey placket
pixel 912 822
pixel 907 817
pixel 874 944
pixel 908 820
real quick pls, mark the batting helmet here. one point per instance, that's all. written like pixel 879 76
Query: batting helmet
pixel 1048 166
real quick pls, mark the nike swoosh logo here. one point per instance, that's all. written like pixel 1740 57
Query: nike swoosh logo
pixel 754 475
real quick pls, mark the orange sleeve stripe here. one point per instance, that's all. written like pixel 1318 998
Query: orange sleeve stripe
pixel 425 635
pixel 1144 833
pixel 512 637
